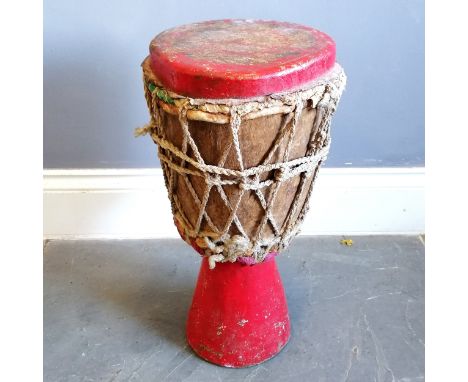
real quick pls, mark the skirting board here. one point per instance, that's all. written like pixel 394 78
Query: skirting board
pixel 132 203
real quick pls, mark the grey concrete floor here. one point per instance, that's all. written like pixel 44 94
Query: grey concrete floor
pixel 116 310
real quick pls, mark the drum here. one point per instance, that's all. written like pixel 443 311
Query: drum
pixel 240 111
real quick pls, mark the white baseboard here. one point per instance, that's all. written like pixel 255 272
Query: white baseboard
pixel 132 203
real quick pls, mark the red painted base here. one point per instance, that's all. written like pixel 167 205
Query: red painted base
pixel 239 315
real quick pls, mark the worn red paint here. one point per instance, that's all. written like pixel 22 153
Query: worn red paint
pixel 239 315
pixel 239 58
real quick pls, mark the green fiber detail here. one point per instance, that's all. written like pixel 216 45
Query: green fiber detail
pixel 162 94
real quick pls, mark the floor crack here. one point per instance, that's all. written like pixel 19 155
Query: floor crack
pixel 381 360
pixel 354 354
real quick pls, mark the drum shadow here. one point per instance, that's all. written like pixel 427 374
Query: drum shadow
pixel 142 288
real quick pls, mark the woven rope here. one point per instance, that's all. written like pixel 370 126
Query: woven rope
pixel 217 243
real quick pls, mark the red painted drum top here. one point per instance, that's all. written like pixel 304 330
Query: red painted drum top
pixel 239 58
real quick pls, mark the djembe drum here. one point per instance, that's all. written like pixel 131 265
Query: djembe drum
pixel 240 111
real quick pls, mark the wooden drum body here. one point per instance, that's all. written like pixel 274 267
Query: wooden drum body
pixel 240 167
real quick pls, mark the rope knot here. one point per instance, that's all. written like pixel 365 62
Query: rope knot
pixel 235 247
pixel 232 248
pixel 210 181
pixel 244 185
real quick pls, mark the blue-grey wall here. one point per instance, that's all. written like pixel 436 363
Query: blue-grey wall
pixel 93 96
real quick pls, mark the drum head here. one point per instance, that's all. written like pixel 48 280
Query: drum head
pixel 239 58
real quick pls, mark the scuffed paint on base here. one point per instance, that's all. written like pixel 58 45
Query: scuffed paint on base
pixel 239 315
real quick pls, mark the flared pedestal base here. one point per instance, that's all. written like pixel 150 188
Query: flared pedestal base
pixel 239 315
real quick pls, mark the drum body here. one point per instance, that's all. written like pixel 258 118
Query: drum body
pixel 240 172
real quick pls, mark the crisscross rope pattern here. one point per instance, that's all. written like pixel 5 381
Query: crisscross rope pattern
pixel 216 242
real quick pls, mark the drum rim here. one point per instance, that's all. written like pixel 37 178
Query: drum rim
pixel 218 110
